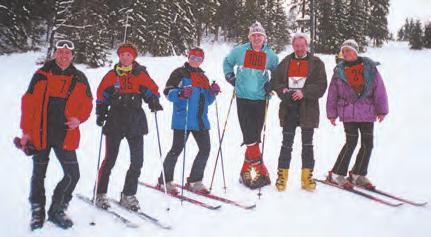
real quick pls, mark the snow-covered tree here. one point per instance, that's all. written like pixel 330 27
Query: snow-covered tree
pixel 377 21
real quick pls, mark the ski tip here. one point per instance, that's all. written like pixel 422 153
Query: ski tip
pixel 420 204
pixel 132 225
pixel 215 207
pixel 251 207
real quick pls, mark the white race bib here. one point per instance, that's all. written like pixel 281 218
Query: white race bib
pixel 296 82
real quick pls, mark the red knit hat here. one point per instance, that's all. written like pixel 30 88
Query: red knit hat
pixel 129 48
pixel 197 52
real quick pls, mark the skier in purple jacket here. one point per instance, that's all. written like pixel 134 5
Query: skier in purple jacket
pixel 357 96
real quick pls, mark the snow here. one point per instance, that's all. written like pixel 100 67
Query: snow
pixel 399 163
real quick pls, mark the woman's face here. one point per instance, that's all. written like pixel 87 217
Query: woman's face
pixel 349 54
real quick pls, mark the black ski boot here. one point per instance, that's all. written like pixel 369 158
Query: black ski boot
pixel 57 215
pixel 37 216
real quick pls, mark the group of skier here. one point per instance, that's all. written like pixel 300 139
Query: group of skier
pixel 59 99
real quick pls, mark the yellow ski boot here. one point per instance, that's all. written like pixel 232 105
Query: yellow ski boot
pixel 281 183
pixel 307 181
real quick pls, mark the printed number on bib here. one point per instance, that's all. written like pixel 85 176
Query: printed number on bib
pixel 255 60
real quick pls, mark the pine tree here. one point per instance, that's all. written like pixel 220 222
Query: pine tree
pixel 249 14
pixel 325 31
pixel 163 27
pixel 416 37
pixel 277 30
pixel 227 19
pixel 21 26
pixel 204 12
pixel 357 19
pixel 87 28
pixel 427 36
pixel 378 23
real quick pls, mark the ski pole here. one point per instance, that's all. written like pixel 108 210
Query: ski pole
pixel 98 167
pixel 161 158
pixel 184 152
pixel 263 138
pixel 221 139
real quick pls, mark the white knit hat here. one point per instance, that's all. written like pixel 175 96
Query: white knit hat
pixel 350 43
pixel 256 28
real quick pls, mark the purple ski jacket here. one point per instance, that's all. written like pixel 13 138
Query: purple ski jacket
pixel 344 103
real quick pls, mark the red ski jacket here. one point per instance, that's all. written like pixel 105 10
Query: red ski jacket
pixel 53 97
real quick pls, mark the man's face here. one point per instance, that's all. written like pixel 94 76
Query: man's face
pixel 349 54
pixel 126 59
pixel 257 40
pixel 63 57
pixel 300 47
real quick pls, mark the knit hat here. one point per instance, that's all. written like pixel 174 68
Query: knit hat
pixel 127 47
pixel 350 43
pixel 197 52
pixel 256 28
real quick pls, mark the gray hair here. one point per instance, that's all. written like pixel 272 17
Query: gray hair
pixel 300 35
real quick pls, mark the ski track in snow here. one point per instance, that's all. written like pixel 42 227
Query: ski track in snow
pixel 399 164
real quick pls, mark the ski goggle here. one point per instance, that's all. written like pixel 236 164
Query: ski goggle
pixel 196 58
pixel 64 44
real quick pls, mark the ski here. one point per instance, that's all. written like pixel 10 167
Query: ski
pixel 218 198
pixel 142 215
pixel 184 198
pixel 366 195
pixel 119 217
pixel 386 194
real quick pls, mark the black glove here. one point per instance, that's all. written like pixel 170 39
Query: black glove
pixel 155 105
pixel 230 77
pixel 102 114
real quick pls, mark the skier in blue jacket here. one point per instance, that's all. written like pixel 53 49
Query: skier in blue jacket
pixel 190 92
pixel 254 60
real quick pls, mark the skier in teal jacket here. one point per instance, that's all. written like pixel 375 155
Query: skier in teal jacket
pixel 254 62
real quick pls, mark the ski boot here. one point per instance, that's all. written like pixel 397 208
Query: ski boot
pixel 307 181
pixel 245 175
pixel 198 187
pixel 57 215
pixel 360 180
pixel 281 183
pixel 170 188
pixel 339 180
pixel 262 177
pixel 102 201
pixel 130 202
pixel 37 216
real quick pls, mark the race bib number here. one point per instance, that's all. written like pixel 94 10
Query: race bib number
pixel 296 82
pixel 58 86
pixel 255 60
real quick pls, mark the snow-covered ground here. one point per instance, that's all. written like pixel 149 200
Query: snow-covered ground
pixel 399 162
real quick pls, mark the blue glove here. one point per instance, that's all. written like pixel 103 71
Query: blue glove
pixel 230 77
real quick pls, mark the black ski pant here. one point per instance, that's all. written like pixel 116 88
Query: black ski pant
pixel 202 139
pixel 251 116
pixel 289 129
pixel 362 159
pixel 136 147
pixel 64 189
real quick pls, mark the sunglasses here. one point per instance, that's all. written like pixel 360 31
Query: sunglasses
pixel 196 58
pixel 64 44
